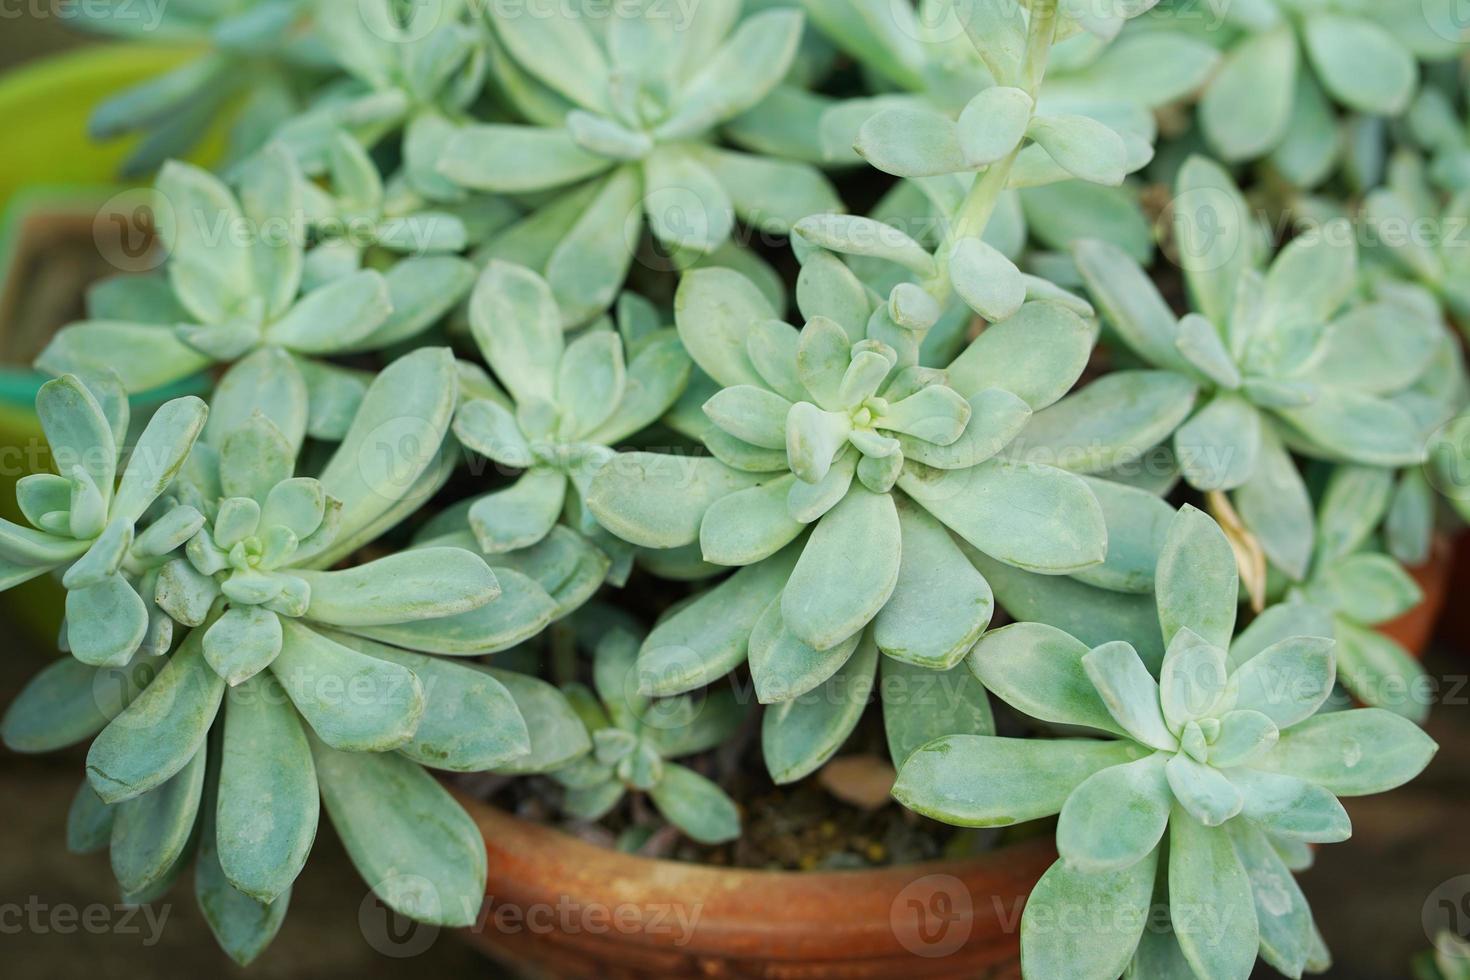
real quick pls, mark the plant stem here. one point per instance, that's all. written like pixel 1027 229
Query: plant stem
pixel 979 205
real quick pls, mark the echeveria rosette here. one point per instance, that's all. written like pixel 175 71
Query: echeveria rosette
pixel 970 85
pixel 413 71
pixel 314 683
pixel 842 473
pixel 356 212
pixel 634 109
pixel 1288 67
pixel 1418 234
pixel 1223 753
pixel 1360 587
pixel 235 274
pixel 109 531
pixel 258 55
pixel 635 739
pixel 564 405
pixel 1265 364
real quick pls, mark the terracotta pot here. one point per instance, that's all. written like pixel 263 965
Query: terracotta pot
pixel 557 906
pixel 1414 629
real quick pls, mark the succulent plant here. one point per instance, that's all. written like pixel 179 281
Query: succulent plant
pixel 99 522
pixel 408 69
pixel 261 52
pixel 1223 752
pixel 280 688
pixel 842 474
pixel 1289 65
pixel 1266 363
pixel 562 408
pixel 235 270
pixel 634 740
pixel 1419 234
pixel 622 110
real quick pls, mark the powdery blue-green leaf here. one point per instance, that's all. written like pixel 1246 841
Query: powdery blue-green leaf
pixel 749 525
pixel 471 721
pixel 1352 753
pixel 521 514
pixel 425 583
pixel 143 355
pixel 1036 354
pixel 940 604
pixel 1115 817
pixel 1282 915
pixel 242 642
pixel 920 705
pixel 151 832
pixel 157 734
pixel 847 570
pixel 68 702
pixel 985 279
pixel 558 735
pixel 1082 146
pixel 708 637
pixel 714 310
pixel 242 926
pixel 1285 806
pixel 520 612
pixel 393 442
pixel 657 500
pixel 1218 447
pixel 1137 523
pixel 751 414
pixel 1196 582
pixel 1039 670
pixel 1130 693
pixel 1244 734
pixel 158 456
pixel 984 781
pixel 351 701
pixel 267 814
pixel 1287 681
pixel 1380 672
pixel 88 822
pixel 912 141
pixel 518 329
pixel 105 622
pixel 737 75
pixel 380 805
pixel 1212 235
pixel 1113 422
pixel 1360 62
pixel 782 667
pixel 509 159
pixel 1131 303
pixel 799 735
pixel 1246 108
pixel 1026 514
pixel 695 805
pixel 1058 944
pixel 1202 790
pixel 1192 679
pixel 334 316
pixel 992 125
pixel 1205 873
pixel 685 204
pixel 1275 505
pixel 856 235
